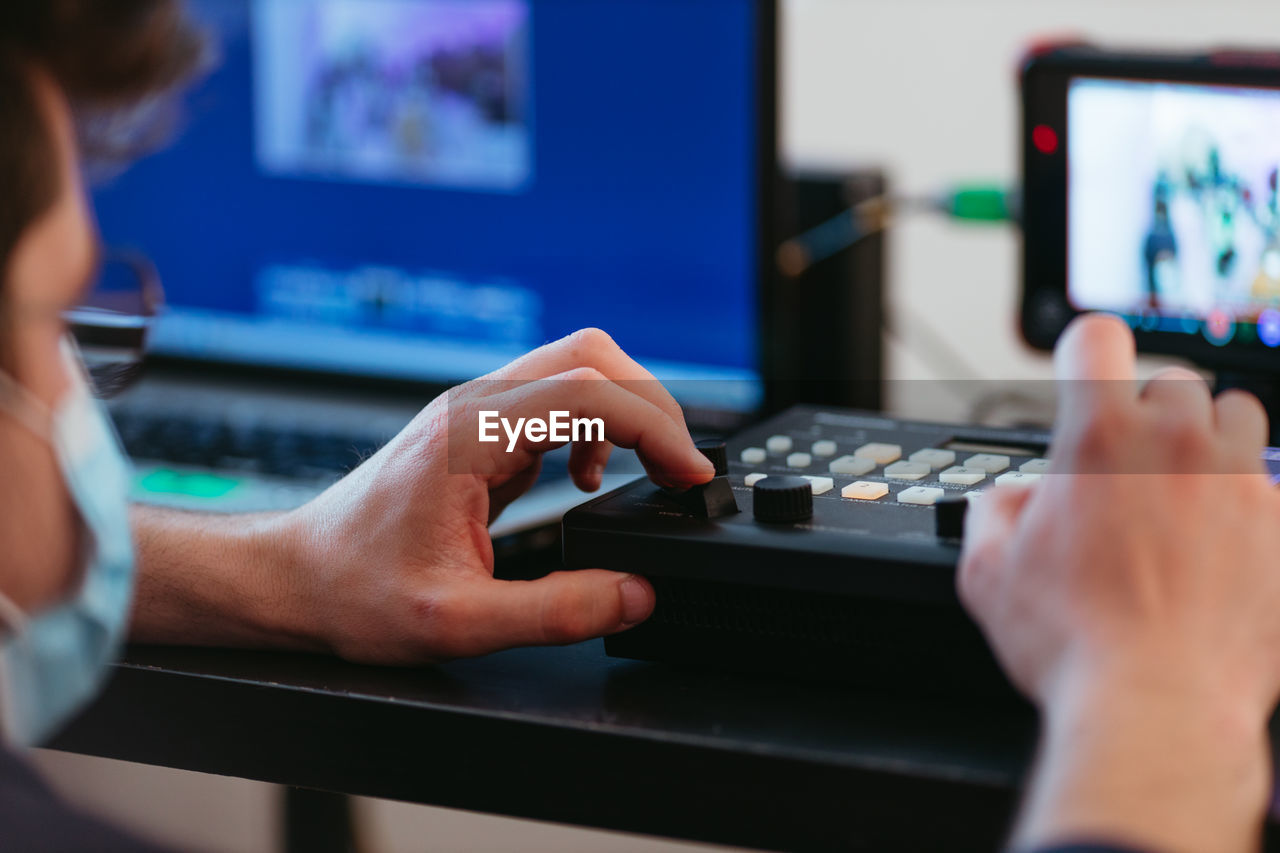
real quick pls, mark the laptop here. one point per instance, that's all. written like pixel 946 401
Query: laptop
pixel 369 201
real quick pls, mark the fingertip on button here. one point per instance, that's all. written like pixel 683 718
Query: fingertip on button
pixel 708 469
pixel 716 453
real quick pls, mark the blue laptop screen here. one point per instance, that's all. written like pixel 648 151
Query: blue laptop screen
pixel 426 188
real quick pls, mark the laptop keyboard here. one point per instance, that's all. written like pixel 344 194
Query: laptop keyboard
pixel 292 453
pixel 297 454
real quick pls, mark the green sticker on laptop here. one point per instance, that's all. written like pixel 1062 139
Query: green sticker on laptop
pixel 192 484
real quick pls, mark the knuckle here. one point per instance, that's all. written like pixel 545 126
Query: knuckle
pixel 1184 437
pixel 589 341
pixel 583 385
pixel 1175 374
pixel 584 374
pixel 1243 402
pixel 1240 397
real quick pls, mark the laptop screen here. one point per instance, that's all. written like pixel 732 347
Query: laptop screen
pixel 425 189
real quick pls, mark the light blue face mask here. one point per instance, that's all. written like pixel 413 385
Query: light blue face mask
pixel 52 662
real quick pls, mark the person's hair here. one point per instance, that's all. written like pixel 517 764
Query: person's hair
pixel 105 55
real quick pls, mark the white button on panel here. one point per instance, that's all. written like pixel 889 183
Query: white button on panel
pixel 962 476
pixel 1035 466
pixel 778 444
pixel 753 478
pixel 825 447
pixel 821 485
pixel 864 491
pixel 907 470
pixel 753 455
pixel 883 454
pixel 992 463
pixel 934 458
pixel 922 495
pixel 851 466
pixel 799 460
pixel 1016 478
pixel 972 495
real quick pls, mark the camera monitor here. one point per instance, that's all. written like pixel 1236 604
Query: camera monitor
pixel 1151 191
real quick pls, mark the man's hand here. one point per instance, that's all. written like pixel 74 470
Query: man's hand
pixel 1134 595
pixel 394 564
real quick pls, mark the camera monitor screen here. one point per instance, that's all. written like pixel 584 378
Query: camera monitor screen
pixel 424 189
pixel 1173 212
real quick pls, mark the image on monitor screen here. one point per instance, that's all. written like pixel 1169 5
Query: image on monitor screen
pixel 1173 206
pixel 414 91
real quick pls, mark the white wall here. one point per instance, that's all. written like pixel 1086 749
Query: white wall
pixel 927 89
pixel 924 88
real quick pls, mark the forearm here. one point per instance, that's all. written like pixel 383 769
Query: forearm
pixel 1163 772
pixel 211 580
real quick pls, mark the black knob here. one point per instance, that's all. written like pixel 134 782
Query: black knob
pixel 714 449
pixel 782 499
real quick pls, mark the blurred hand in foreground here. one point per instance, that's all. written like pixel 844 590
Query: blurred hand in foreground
pixel 1134 595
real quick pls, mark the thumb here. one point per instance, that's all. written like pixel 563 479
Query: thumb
pixel 561 608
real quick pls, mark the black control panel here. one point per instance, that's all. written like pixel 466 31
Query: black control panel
pixel 826 547
pixel 824 500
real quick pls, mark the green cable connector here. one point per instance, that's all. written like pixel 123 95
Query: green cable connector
pixel 982 203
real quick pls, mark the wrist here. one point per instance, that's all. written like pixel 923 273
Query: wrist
pixel 1152 757
pixel 1165 683
pixel 212 580
pixel 277 583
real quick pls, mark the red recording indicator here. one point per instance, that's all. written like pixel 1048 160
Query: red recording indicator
pixel 1044 138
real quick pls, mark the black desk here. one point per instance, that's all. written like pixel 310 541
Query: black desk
pixel 573 736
